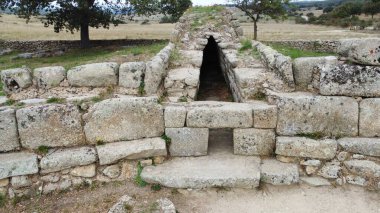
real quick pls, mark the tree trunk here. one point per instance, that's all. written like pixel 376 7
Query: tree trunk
pixel 254 30
pixel 84 36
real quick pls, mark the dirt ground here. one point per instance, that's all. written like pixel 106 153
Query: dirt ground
pixel 13 28
pixel 271 199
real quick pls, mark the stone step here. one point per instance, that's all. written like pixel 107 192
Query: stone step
pixel 217 170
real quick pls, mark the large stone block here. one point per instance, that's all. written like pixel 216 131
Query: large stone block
pixel 305 113
pixel 137 149
pixel 305 147
pixel 219 115
pixel 16 164
pixel 52 125
pixel 131 74
pixel 304 67
pixel 278 173
pixel 14 80
pixel 188 141
pixel 369 123
pixel 351 80
pixel 254 141
pixel 154 74
pixel 175 116
pixel 123 119
pixel 362 51
pixel 264 115
pixel 48 77
pixel 67 158
pixel 8 130
pixel 94 75
pixel 193 57
pixel 364 146
pixel 364 168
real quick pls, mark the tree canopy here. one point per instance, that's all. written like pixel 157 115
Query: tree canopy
pixel 255 9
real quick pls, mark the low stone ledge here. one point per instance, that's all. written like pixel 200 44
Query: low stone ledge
pixel 362 51
pixel 137 149
pixel 175 116
pixel 364 168
pixel 254 142
pixel 123 119
pixel 208 114
pixel 364 146
pixel 67 158
pixel 15 80
pixel 188 141
pixel 52 125
pixel 8 130
pixel 17 164
pixel 351 80
pixel 49 77
pixel 278 173
pixel 369 122
pixel 300 113
pixel 305 147
pixel 94 75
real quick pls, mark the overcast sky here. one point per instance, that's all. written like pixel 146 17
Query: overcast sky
pixel 209 2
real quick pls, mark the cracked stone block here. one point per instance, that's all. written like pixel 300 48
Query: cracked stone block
pixel 254 141
pixel 131 74
pixel 369 123
pixel 175 116
pixel 15 80
pixel 188 141
pixel 49 77
pixel 94 75
pixel 8 130
pixel 278 173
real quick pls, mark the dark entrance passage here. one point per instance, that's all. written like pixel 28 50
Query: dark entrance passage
pixel 213 86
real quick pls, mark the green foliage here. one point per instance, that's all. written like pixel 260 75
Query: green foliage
pixel 1 89
pixel 138 179
pixel 246 44
pixel 314 135
pixel 96 99
pixel 2 200
pixel 128 207
pixel 259 96
pixel 182 99
pixel 175 8
pixel 55 100
pixel 371 8
pixel 10 102
pixel 43 150
pixel 141 90
pixel 297 53
pixel 208 9
pixel 156 187
pixel 255 53
pixel 167 140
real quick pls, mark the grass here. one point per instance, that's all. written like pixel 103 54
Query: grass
pixel 156 187
pixel 55 100
pixel 167 139
pixel 43 150
pixel 209 9
pixel 259 96
pixel 182 99
pixel 138 179
pixel 313 135
pixel 10 102
pixel 2 200
pixel 2 93
pixel 297 53
pixel 246 44
pixel 76 57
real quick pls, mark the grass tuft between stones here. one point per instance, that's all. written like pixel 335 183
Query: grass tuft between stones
pixel 156 187
pixel 138 179
pixel 2 200
pixel 55 100
pixel 43 150
pixel 313 135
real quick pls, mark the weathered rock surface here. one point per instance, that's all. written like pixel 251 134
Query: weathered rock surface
pixel 112 171
pixel 49 77
pixel 330 170
pixel 131 74
pixel 180 82
pixel 315 181
pixel 123 119
pixel 351 80
pixel 193 57
pixel 363 168
pixel 175 116
pixel 52 125
pixel 137 149
pixel 278 173
pixel 14 80
pixel 8 130
pixel 188 141
pixel 365 146
pixel 264 115
pixel 254 141
pixel 16 164
pixel 67 158
pixel 165 206
pixel 369 123
pixel 363 51
pixel 21 181
pixel 88 171
pixel 123 205
pixel 216 171
pixel 305 113
pixel 94 75
pixel 305 147
pixel 219 115
pixel 305 66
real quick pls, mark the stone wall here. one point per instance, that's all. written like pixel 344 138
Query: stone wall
pixel 69 44
pixel 326 46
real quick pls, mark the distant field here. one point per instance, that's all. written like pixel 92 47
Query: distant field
pixel 13 28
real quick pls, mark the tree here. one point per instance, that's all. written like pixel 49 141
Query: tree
pixel 328 9
pixel 175 8
pixel 255 9
pixel 371 8
pixel 348 9
pixel 79 15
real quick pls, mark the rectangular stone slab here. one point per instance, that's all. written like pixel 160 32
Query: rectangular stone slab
pixel 188 141
pixel 210 114
pixel 123 119
pixel 254 141
pixel 369 123
pixel 364 146
pixel 17 164
pixel 8 130
pixel 137 149
pixel 306 113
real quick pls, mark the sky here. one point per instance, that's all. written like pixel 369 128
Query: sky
pixel 209 2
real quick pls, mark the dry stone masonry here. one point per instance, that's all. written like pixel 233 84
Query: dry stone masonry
pixel 312 120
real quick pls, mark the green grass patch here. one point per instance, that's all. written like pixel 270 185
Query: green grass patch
pixel 313 135
pixel 182 99
pixel 138 179
pixel 167 140
pixel 297 53
pixel 43 150
pixel 156 187
pixel 55 100
pixel 2 200
pixel 10 102
pixel 259 96
pixel 246 44
pixel 76 57
pixel 208 9
pixel 2 93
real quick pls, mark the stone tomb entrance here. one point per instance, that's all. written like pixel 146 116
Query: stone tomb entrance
pixel 213 86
